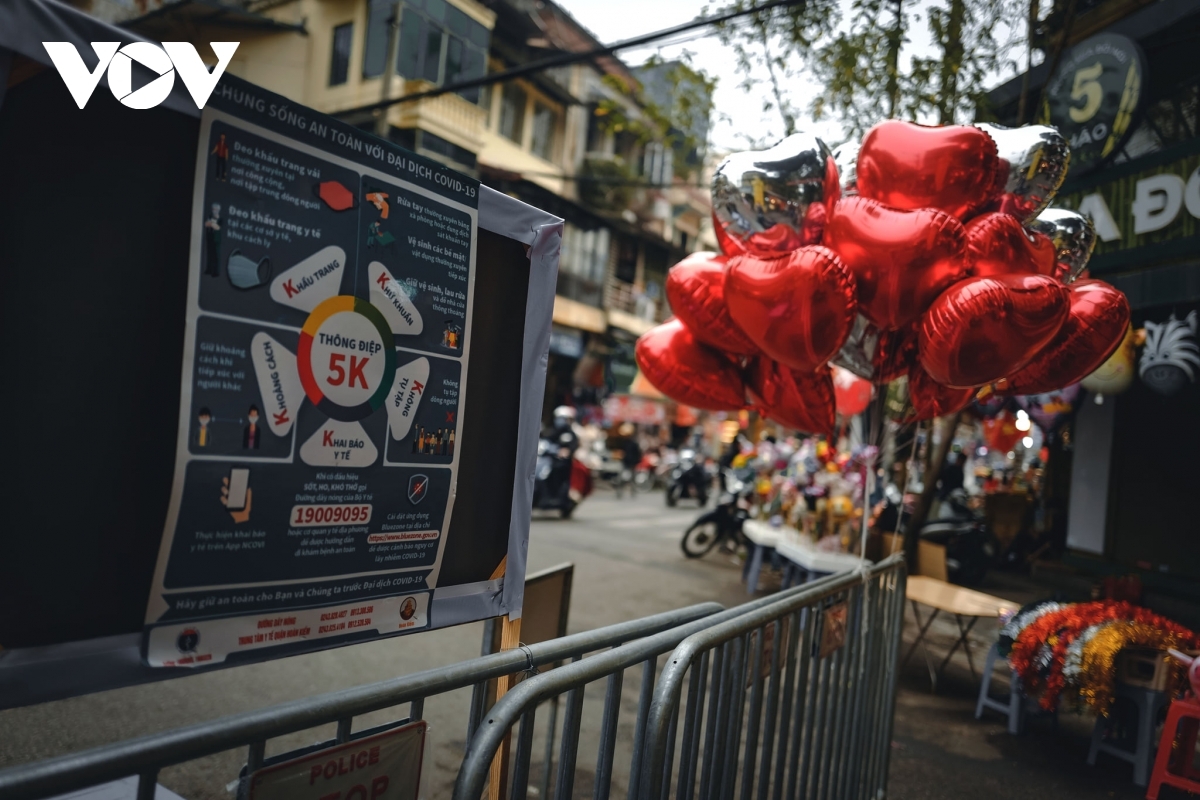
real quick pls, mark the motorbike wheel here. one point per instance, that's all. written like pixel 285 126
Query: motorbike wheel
pixel 672 495
pixel 567 509
pixel 700 539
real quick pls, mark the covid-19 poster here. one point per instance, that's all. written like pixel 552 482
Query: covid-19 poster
pixel 330 289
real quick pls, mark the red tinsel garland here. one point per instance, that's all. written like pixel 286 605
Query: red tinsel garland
pixel 1058 629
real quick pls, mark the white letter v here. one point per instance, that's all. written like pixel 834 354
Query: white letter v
pixel 196 77
pixel 74 72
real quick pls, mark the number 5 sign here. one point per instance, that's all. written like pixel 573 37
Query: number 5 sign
pixel 1094 95
pixel 347 358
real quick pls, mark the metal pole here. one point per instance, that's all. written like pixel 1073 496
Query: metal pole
pixel 382 128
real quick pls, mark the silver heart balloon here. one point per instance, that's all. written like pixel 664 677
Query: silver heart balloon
pixel 858 351
pixel 773 201
pixel 1034 161
pixel 846 158
pixel 1073 235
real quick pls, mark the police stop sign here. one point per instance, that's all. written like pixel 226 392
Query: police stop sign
pixel 386 766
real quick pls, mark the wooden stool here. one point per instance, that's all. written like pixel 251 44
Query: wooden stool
pixel 1183 714
pixel 1148 703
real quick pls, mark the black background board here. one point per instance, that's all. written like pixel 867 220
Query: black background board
pixel 1153 519
pixel 95 208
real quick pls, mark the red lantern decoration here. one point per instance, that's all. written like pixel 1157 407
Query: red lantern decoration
pixel 1000 432
pixel 851 393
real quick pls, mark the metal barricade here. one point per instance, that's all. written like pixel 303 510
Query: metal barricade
pixel 791 700
pixel 866 664
pixel 147 755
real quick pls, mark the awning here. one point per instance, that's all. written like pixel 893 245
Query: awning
pixel 215 13
pixel 25 24
pixel 628 322
pixel 575 314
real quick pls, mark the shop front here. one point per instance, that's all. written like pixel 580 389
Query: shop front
pixel 1126 92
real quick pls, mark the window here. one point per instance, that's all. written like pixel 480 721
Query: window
pixel 339 64
pixel 379 12
pixel 512 112
pixel 431 62
pixel 412 32
pixel 441 44
pixel 544 120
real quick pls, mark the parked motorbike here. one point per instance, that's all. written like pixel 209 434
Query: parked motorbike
pixel 689 478
pixel 970 548
pixel 645 474
pixel 723 525
pixel 560 482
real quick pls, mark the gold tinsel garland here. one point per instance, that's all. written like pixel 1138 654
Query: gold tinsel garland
pixel 1097 677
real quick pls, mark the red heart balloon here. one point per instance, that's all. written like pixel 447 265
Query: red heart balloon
pixel 1093 331
pixel 997 244
pixel 696 292
pixel 982 329
pixel 931 399
pixel 901 260
pixel 798 308
pixel 952 168
pixel 729 246
pixel 896 353
pixel 800 400
pixel 689 372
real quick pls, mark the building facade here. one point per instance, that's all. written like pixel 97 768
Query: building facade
pixel 545 138
pixel 1122 82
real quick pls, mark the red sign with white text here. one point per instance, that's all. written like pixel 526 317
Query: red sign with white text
pixel 386 766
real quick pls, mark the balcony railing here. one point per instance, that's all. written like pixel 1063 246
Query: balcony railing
pixel 622 296
pixel 448 116
pixel 576 288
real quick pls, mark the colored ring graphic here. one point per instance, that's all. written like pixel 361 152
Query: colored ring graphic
pixel 337 305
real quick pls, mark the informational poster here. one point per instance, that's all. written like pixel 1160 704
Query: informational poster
pixel 386 766
pixel 330 291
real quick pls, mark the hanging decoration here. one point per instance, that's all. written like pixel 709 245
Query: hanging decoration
pixel 1058 649
pixel 1171 357
pixel 1116 374
pixel 925 256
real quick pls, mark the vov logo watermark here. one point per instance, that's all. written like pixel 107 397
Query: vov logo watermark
pixel 165 61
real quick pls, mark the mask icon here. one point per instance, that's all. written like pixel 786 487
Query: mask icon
pixel 246 273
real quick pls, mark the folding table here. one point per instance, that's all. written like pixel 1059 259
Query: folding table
pixel 761 539
pixel 967 606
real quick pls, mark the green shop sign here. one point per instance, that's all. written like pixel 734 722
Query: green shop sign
pixel 1145 211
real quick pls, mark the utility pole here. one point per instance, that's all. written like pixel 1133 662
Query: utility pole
pixel 1032 26
pixel 895 38
pixel 382 127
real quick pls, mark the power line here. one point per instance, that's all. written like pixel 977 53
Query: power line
pixel 564 59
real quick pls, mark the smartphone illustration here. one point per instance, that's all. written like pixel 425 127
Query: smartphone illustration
pixel 239 481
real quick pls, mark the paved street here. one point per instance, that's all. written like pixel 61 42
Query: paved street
pixel 628 564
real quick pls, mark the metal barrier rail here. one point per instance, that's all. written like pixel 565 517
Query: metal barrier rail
pixel 824 721
pixel 522 701
pixel 146 755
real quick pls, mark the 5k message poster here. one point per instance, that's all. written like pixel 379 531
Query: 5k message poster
pixel 330 289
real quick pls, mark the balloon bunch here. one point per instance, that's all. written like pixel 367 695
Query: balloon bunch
pixel 925 254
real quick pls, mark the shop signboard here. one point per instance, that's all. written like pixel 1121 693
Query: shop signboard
pixel 316 341
pixel 1144 211
pixel 566 342
pixel 1094 95
pixel 627 408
